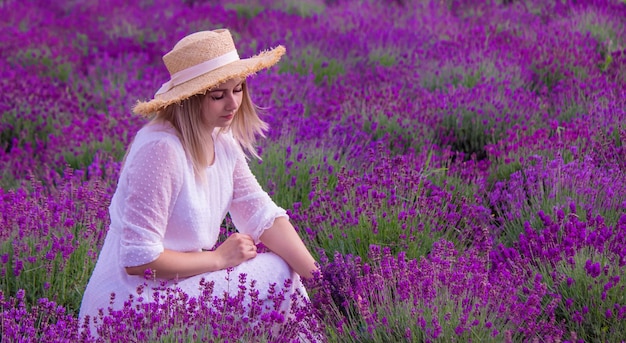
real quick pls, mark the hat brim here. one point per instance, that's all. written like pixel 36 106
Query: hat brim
pixel 204 83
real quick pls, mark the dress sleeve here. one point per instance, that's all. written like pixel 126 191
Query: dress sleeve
pixel 154 179
pixel 252 210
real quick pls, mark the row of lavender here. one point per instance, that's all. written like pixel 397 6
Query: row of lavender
pixel 458 167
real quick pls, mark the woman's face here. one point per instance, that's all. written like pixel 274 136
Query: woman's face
pixel 220 105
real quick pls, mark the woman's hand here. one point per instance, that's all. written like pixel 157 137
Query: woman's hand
pixel 237 248
pixel 171 264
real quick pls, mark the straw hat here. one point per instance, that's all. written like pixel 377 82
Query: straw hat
pixel 201 61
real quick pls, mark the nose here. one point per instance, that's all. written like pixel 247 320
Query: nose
pixel 232 103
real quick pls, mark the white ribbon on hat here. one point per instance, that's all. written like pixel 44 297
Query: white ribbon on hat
pixel 197 70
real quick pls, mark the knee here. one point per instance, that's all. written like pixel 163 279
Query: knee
pixel 281 270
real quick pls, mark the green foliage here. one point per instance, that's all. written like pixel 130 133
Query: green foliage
pixel 45 62
pixel 353 221
pixel 546 76
pixel 388 231
pixel 8 179
pixel 537 197
pixel 287 173
pixel 555 192
pixel 95 92
pixel 608 59
pixel 247 11
pixel 605 34
pixel 471 79
pixel 618 136
pixel 82 156
pixel 440 78
pixel 467 132
pixel 17 124
pixel 124 27
pixel 382 57
pixel 311 60
pixel 570 111
pixel 380 316
pixel 397 131
pixel 610 141
pixel 82 42
pixel 300 8
pixel 587 305
pixel 60 276
pixel 502 171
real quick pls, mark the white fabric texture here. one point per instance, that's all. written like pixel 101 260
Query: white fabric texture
pixel 158 204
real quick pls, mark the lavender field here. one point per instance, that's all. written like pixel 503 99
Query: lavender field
pixel 457 167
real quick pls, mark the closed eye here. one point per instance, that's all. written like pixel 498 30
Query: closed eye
pixel 219 93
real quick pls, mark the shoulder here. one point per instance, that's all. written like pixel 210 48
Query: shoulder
pixel 158 134
pixel 158 140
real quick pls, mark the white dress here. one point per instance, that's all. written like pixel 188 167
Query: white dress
pixel 158 204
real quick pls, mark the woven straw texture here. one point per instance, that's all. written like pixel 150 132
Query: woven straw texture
pixel 195 49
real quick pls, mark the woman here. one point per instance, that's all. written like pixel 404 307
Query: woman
pixel 185 170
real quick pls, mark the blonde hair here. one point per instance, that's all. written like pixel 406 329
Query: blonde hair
pixel 247 124
pixel 187 119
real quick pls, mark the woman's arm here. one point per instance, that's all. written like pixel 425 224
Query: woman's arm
pixel 171 264
pixel 283 240
pixel 255 213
